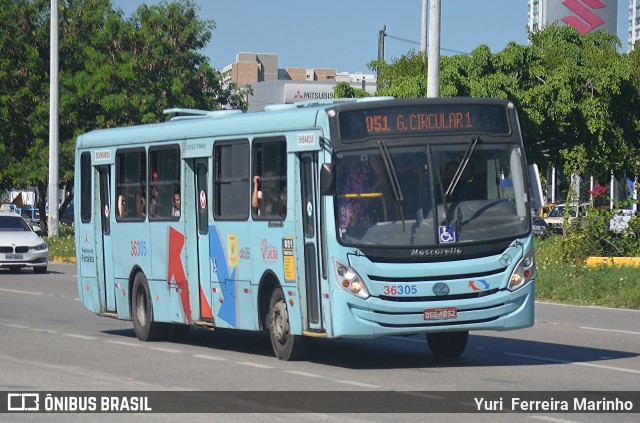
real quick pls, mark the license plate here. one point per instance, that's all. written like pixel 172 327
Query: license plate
pixel 14 256
pixel 440 313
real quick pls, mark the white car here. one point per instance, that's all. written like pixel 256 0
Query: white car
pixel 620 221
pixel 20 246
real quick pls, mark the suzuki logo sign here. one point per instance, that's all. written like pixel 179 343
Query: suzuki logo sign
pixel 584 15
pixel 585 20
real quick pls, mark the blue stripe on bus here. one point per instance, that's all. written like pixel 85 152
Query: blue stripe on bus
pixel 227 281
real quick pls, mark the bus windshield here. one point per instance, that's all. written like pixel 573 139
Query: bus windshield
pixel 488 201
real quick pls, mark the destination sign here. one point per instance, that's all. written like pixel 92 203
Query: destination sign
pixel 357 125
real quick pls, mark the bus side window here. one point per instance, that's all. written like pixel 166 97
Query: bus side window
pixel 164 182
pixel 131 182
pixel 231 180
pixel 270 178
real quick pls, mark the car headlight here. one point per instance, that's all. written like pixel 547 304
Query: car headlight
pixel 40 247
pixel 349 280
pixel 523 273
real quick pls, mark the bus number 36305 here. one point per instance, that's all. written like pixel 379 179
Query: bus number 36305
pixel 400 289
pixel 138 248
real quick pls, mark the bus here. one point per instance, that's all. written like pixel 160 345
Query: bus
pixel 358 218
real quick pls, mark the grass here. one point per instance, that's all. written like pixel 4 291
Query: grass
pixel 556 281
pixel 575 283
pixel 62 247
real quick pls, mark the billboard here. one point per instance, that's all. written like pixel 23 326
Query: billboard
pixel 584 15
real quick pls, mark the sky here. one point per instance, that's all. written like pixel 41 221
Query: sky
pixel 343 34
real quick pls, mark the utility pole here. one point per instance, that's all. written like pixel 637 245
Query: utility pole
pixel 381 35
pixel 433 73
pixel 53 221
pixel 423 32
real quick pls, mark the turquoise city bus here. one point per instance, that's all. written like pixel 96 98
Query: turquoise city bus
pixel 336 219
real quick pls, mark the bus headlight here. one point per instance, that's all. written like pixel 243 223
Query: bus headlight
pixel 523 273
pixel 349 280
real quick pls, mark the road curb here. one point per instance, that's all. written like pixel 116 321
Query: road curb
pixel 613 261
pixel 57 259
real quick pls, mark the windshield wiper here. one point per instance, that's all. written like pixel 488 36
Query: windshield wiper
pixel 393 178
pixel 462 166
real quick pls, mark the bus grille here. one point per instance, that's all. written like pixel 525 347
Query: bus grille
pixel 439 298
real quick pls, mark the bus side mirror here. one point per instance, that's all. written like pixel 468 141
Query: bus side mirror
pixel 326 179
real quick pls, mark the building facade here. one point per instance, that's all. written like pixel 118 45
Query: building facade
pixel 634 23
pixel 273 85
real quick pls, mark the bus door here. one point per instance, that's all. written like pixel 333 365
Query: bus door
pixel 105 268
pixel 201 174
pixel 312 279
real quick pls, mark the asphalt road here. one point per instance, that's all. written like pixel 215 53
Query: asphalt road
pixel 49 342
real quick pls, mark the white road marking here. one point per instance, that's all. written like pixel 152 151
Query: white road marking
pixel 360 384
pixel 169 350
pixel 73 335
pixel 295 372
pixel 15 291
pixel 43 330
pixel 209 357
pixel 127 344
pixel 256 365
pixel 555 360
pixel 611 330
pixel 16 326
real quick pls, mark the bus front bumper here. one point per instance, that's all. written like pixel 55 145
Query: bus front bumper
pixel 375 317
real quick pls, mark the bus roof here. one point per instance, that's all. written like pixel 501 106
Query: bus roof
pixel 188 123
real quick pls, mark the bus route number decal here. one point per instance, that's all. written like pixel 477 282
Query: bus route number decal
pixel 138 248
pixel 400 289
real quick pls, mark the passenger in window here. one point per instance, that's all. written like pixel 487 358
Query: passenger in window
pixel 175 210
pixel 265 199
pixel 142 204
pixel 283 200
pixel 360 175
pixel 122 206
pixel 153 207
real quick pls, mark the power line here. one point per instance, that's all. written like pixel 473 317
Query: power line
pixel 417 43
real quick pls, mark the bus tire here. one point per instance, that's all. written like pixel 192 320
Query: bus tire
pixel 285 345
pixel 447 344
pixel 142 312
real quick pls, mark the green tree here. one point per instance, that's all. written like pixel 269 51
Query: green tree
pixel 114 71
pixel 345 90
pixel 404 77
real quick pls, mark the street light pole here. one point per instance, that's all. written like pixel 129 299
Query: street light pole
pixel 433 72
pixel 53 221
pixel 423 28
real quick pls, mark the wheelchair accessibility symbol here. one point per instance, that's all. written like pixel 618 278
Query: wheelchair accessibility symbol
pixel 447 234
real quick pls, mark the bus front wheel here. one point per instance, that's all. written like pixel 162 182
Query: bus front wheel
pixel 142 313
pixel 447 344
pixel 285 345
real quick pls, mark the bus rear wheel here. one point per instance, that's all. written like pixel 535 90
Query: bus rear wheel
pixel 142 313
pixel 447 344
pixel 285 345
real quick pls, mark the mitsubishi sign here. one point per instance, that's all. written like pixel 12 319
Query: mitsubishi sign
pixel 584 15
pixel 304 92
